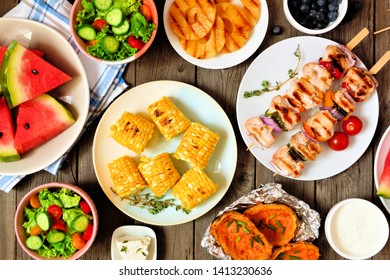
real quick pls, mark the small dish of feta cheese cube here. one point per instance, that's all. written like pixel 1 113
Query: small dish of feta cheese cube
pixel 134 243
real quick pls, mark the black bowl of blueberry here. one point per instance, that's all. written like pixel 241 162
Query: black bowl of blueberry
pixel 315 16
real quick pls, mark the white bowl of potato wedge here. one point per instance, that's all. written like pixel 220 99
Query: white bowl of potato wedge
pixel 200 37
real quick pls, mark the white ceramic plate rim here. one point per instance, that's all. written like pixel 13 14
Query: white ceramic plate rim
pixel 134 230
pixel 197 106
pixel 328 234
pixel 222 61
pixel 267 67
pixel 49 152
pixel 380 157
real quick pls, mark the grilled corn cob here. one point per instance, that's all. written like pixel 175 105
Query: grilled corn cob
pixel 159 172
pixel 126 177
pixel 132 131
pixel 197 145
pixel 168 118
pixel 194 187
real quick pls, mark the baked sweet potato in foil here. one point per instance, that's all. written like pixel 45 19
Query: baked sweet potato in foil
pixel 296 251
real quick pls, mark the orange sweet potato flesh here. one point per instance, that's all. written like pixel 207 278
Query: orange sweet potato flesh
pixel 278 222
pixel 296 251
pixel 239 237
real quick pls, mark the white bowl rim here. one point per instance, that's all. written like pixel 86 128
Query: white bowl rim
pixel 328 234
pixel 342 7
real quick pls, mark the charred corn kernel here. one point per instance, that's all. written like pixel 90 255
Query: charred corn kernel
pixel 132 131
pixel 168 118
pixel 197 145
pixel 126 177
pixel 159 172
pixel 194 187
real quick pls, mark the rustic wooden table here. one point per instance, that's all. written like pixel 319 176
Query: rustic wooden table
pixel 161 62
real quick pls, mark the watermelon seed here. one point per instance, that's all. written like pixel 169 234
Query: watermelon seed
pixel 1 134
pixel 35 72
pixel 27 126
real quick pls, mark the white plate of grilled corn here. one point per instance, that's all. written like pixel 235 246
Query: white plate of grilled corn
pixel 165 153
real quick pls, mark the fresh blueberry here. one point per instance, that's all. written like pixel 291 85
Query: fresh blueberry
pixel 312 14
pixel 320 16
pixel 304 8
pixel 333 7
pixel 277 30
pixel 321 3
pixel 314 6
pixel 332 16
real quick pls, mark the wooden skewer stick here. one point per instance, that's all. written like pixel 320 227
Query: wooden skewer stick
pixel 359 37
pixel 381 30
pixel 380 63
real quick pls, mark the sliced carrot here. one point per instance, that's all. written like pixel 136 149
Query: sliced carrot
pixel 34 201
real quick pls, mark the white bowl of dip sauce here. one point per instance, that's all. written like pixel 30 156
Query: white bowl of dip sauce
pixel 356 229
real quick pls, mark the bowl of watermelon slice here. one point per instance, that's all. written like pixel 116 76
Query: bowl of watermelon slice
pixel 44 96
pixel 56 221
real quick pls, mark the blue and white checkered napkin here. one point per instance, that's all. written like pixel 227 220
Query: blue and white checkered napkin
pixel 105 82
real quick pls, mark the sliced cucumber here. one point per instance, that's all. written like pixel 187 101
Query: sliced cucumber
pixel 55 236
pixel 34 242
pixel 122 29
pixel 115 17
pixel 79 223
pixel 110 44
pixel 103 5
pixel 43 221
pixel 87 32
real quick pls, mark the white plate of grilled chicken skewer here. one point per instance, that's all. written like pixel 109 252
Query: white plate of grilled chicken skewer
pixel 273 65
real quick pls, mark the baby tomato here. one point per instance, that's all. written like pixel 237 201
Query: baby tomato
pixel 146 12
pixel 85 207
pixel 88 232
pixel 34 201
pixel 135 43
pixel 352 126
pixel 77 241
pixel 54 211
pixel 339 141
pixel 99 24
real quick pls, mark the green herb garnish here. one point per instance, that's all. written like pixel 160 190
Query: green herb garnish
pixel 265 85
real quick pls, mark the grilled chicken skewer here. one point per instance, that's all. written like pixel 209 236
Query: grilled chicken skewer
pixel 305 92
pixel 357 86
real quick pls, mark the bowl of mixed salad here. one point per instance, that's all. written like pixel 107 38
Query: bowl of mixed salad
pixel 114 31
pixel 56 221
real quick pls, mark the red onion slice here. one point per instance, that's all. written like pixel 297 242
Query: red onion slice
pixel 334 112
pixel 350 55
pixel 271 122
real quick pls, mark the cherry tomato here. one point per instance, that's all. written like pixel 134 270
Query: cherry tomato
pixel 34 202
pixel 85 207
pixel 146 12
pixel 88 232
pixel 135 43
pixel 99 24
pixel 77 241
pixel 54 211
pixel 35 230
pixel 339 141
pixel 59 225
pixel 352 126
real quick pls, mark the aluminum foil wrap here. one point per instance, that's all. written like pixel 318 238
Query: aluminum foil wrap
pixel 309 220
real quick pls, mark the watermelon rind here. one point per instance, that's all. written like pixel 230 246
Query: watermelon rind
pixel 3 71
pixel 384 181
pixel 7 132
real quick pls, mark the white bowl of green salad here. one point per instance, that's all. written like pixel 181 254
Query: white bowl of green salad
pixel 56 221
pixel 113 31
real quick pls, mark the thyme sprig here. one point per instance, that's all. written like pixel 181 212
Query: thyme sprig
pixel 154 204
pixel 267 87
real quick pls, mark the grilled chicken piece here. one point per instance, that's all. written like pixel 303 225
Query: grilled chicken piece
pixel 259 132
pixel 285 164
pixel 306 148
pixel 286 112
pixel 344 101
pixel 318 75
pixel 320 126
pixel 303 94
pixel 340 56
pixel 360 83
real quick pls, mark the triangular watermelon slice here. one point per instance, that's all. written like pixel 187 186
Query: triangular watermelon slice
pixel 384 182
pixel 39 120
pixel 7 133
pixel 25 75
